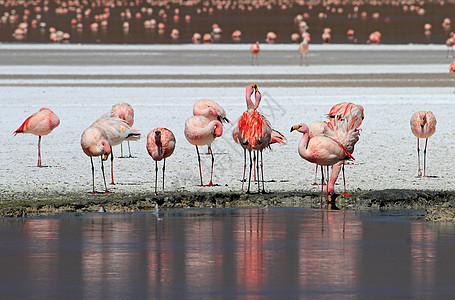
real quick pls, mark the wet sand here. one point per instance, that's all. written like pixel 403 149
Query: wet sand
pixel 81 83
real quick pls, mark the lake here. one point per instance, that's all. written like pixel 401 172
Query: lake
pixel 245 253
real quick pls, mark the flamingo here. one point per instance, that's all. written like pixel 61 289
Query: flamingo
pixel 450 42
pixel 254 133
pixel 452 69
pixel 125 112
pixel 254 53
pixel 117 131
pixel 40 123
pixel 210 109
pixel 303 50
pixel 200 130
pixel 321 150
pixel 347 134
pixel 94 142
pixel 352 115
pixel 160 145
pixel 317 128
pixel 423 125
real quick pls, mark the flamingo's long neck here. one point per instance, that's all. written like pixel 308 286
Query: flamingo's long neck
pixel 218 128
pixel 249 92
pixel 158 151
pixel 303 144
pixel 258 99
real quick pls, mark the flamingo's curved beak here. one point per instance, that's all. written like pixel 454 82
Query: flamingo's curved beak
pixel 105 156
pixel 295 127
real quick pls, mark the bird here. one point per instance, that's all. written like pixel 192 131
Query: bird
pixel 351 115
pixel 94 142
pixel 344 131
pixel 160 145
pixel 40 123
pixel 452 69
pixel 423 125
pixel 200 130
pixel 348 111
pixel 303 50
pixel 254 53
pixel 125 112
pixel 450 42
pixel 254 133
pixel 320 150
pixel 317 128
pixel 210 109
pixel 117 131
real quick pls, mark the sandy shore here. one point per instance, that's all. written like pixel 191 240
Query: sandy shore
pixel 79 89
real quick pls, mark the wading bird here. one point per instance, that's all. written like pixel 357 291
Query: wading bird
pixel 94 142
pixel 200 131
pixel 254 53
pixel 125 112
pixel 254 134
pixel 40 123
pixel 117 131
pixel 320 150
pixel 423 125
pixel 160 145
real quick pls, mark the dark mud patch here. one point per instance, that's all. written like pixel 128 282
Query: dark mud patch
pixel 439 205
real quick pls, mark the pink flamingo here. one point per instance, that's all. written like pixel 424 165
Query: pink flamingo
pixel 423 125
pixel 452 69
pixel 94 142
pixel 117 131
pixel 199 131
pixel 347 134
pixel 254 133
pixel 40 123
pixel 345 119
pixel 210 109
pixel 317 128
pixel 160 145
pixel 275 138
pixel 303 50
pixel 254 53
pixel 450 42
pixel 125 112
pixel 321 150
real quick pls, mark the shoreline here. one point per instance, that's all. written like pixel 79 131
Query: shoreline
pixel 438 205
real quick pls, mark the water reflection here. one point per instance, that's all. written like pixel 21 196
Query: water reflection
pixel 245 253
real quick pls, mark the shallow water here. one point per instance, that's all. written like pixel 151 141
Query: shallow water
pixel 227 253
pixel 396 25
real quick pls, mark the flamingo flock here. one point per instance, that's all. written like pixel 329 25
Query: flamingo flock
pixel 326 143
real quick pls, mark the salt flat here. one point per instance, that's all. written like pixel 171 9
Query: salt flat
pixel 163 94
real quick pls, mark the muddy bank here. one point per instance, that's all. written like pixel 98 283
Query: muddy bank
pixel 439 205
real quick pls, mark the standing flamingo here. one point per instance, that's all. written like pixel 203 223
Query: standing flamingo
pixel 317 128
pixel 94 142
pixel 452 69
pixel 254 53
pixel 303 50
pixel 160 145
pixel 254 133
pixel 347 134
pixel 345 119
pixel 321 150
pixel 40 123
pixel 450 42
pixel 423 125
pixel 117 131
pixel 199 131
pixel 210 109
pixel 125 112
